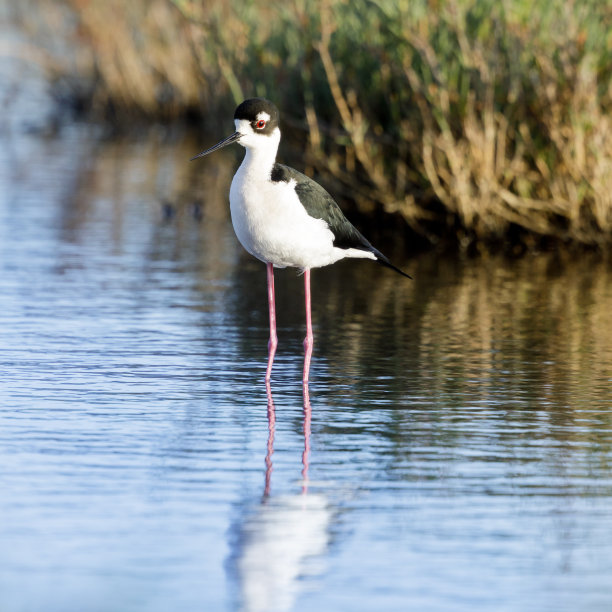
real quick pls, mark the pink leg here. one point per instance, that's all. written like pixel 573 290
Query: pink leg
pixel 273 342
pixel 309 340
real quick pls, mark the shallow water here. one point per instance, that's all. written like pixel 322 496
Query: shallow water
pixel 454 451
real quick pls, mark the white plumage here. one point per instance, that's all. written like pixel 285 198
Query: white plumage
pixel 269 220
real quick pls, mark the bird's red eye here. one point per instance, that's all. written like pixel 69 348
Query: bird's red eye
pixel 261 124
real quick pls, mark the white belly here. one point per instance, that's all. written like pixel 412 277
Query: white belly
pixel 272 225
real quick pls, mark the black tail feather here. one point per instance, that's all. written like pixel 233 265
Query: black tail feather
pixel 381 259
pixel 388 264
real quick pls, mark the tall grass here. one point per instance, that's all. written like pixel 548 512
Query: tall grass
pixel 485 118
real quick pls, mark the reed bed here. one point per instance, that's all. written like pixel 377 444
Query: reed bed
pixel 485 120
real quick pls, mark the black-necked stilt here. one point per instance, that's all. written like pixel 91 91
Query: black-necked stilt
pixel 282 217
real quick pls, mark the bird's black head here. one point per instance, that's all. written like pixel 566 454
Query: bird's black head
pixel 253 118
pixel 260 113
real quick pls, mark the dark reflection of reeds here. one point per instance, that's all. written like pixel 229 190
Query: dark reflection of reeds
pixel 523 346
pixel 470 321
pixel 536 319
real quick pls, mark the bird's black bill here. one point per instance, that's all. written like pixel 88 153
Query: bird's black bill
pixel 235 137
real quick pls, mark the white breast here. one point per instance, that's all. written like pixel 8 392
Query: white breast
pixel 272 224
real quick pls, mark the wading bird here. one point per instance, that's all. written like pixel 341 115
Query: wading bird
pixel 284 218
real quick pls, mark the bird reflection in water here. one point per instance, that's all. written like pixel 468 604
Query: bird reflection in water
pixel 271 431
pixel 285 539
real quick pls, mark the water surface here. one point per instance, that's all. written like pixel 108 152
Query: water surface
pixel 453 452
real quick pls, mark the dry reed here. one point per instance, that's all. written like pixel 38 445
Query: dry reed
pixel 478 117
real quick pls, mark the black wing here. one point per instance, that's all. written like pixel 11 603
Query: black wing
pixel 320 205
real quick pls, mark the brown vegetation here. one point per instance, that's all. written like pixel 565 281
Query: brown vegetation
pixel 481 118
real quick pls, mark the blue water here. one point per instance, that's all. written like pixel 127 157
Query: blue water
pixel 453 452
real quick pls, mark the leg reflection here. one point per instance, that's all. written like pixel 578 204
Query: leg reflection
pixel 306 453
pixel 284 538
pixel 270 450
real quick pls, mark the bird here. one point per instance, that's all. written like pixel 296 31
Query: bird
pixel 284 218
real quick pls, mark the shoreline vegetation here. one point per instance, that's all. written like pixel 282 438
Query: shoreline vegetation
pixel 483 122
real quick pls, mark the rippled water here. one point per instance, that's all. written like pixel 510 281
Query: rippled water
pixel 453 452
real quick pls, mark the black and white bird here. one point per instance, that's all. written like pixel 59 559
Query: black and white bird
pixel 284 218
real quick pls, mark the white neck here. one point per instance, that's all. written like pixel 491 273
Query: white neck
pixel 261 154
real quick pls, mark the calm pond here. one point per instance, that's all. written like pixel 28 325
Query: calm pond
pixel 454 451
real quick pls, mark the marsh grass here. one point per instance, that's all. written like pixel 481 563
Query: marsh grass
pixel 483 118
